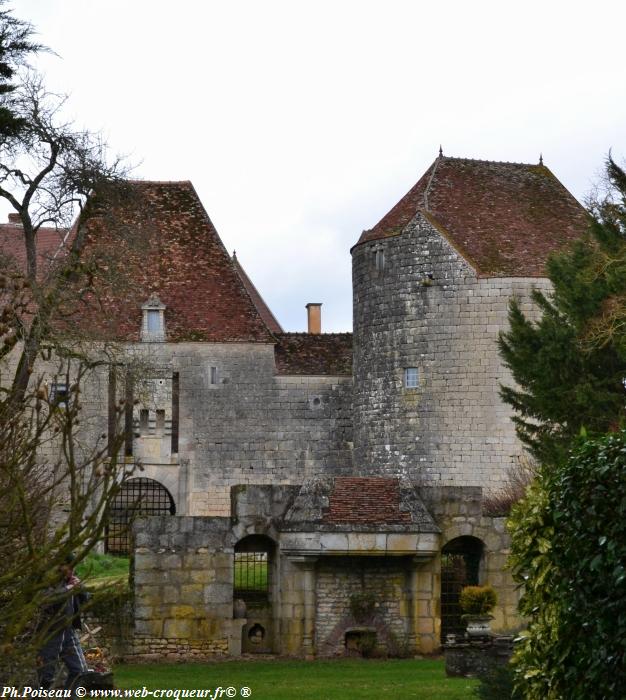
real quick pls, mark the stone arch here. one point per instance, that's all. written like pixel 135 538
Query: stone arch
pixel 461 565
pixel 137 496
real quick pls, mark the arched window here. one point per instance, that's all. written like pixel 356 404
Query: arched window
pixel 460 566
pixel 136 497
pixel 253 560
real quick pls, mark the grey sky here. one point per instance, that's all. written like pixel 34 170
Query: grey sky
pixel 301 123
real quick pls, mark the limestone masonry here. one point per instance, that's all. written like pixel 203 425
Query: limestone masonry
pixel 310 493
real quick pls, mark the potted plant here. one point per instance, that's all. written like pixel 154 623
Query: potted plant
pixel 477 602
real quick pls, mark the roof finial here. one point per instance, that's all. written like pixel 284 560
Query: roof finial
pixel 541 159
pixel 440 151
pixel 234 255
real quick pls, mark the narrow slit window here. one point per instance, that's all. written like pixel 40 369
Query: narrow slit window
pixel 379 260
pixel 213 375
pixel 144 417
pixel 411 378
pixel 160 421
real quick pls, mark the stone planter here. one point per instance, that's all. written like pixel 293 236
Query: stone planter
pixel 478 626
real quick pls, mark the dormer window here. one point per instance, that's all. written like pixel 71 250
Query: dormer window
pixel 153 326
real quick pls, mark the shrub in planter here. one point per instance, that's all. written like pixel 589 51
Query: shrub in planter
pixel 478 600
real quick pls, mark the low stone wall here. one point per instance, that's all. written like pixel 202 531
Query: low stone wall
pixel 150 649
pixel 469 659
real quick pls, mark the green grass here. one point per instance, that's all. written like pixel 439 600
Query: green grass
pixel 307 680
pixel 100 569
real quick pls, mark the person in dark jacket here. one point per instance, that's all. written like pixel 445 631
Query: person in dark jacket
pixel 62 620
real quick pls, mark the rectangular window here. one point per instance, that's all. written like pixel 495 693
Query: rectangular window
pixel 411 378
pixel 379 259
pixel 144 417
pixel 154 321
pixel 59 393
pixel 213 375
pixel 160 421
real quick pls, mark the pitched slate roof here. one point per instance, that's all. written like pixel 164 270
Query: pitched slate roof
pixel 503 218
pixel 169 247
pixel 263 309
pixel 313 353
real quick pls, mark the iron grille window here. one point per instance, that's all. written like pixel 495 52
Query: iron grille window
pixel 251 576
pixel 136 497
pixel 460 563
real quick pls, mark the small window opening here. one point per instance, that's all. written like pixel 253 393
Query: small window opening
pixel 154 321
pixel 144 418
pixel 411 377
pixel 213 375
pixel 59 394
pixel 379 260
pixel 160 421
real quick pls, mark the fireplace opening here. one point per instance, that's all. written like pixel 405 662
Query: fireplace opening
pixel 360 642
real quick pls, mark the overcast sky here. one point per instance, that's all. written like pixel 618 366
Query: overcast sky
pixel 302 123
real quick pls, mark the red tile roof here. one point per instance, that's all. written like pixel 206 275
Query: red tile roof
pixel 263 309
pixel 168 247
pixel 365 500
pixel 314 353
pixel 49 245
pixel 503 218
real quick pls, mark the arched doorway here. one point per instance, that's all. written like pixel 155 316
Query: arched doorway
pixel 460 566
pixel 138 496
pixel 254 561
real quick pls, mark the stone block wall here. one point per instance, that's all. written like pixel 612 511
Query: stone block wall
pixel 183 579
pixel 429 310
pixel 340 578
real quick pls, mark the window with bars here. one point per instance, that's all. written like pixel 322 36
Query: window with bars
pixel 252 569
pixel 136 497
pixel 411 378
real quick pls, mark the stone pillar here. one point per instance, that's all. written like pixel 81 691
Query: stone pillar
pixel 306 564
pixel 308 586
pixel 412 598
pixel 428 623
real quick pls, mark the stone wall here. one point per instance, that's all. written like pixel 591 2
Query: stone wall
pixel 183 579
pixel 458 513
pixel 428 310
pixel 338 580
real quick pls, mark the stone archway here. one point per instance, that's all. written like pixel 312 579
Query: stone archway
pixel 460 566
pixel 139 496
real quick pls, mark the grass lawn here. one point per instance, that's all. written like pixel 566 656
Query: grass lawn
pixel 102 569
pixel 307 680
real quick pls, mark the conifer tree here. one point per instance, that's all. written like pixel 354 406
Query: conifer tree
pixel 570 366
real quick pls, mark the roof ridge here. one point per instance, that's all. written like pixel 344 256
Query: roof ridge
pixel 494 162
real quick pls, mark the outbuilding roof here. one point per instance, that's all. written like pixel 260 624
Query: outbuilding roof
pixel 503 218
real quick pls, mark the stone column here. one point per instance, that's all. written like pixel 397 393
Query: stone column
pixel 306 564
pixel 308 586
pixel 412 596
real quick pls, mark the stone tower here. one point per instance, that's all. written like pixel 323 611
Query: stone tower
pixel 431 285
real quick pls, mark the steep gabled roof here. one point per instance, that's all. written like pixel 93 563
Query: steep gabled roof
pixel 503 218
pixel 263 309
pixel 313 354
pixel 169 247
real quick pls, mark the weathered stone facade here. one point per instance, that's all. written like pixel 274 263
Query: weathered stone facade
pixel 335 479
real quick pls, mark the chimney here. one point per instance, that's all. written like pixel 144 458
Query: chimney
pixel 15 219
pixel 314 315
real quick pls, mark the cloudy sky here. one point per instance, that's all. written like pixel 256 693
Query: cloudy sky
pixel 302 123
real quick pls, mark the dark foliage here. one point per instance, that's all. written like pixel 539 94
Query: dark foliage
pixel 569 551
pixel 570 365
